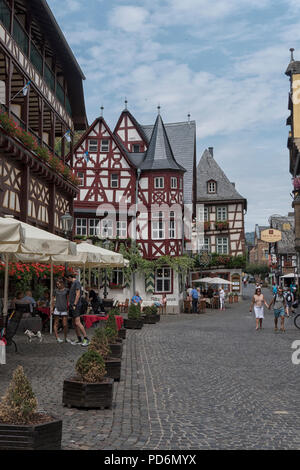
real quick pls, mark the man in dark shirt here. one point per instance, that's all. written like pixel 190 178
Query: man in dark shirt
pixel 74 308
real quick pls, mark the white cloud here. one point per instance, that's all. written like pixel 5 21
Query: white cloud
pixel 131 19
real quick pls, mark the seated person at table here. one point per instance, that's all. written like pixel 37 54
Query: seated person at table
pixel 20 299
pixel 136 299
pixel 45 300
pixel 28 297
pixel 162 303
pixel 95 300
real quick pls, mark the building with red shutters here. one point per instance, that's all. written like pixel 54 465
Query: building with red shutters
pixel 135 183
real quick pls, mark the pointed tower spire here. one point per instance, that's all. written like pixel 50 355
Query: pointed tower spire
pixel 292 54
pixel 126 103
pixel 102 109
pixel 159 155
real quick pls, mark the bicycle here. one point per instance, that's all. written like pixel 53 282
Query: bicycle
pixel 294 317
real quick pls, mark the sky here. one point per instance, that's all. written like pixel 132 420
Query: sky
pixel 223 62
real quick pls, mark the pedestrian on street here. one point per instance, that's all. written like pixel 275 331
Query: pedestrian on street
pixel 136 299
pixel 75 295
pixel 280 308
pixel 195 297
pixel 59 308
pixel 258 301
pixel 222 298
pixel 289 298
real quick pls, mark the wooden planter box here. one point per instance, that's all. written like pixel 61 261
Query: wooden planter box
pixel 157 317
pixel 149 319
pixel 113 368
pixel 45 436
pixel 133 324
pixel 236 298
pixel 88 395
pixel 122 333
pixel 230 300
pixel 116 349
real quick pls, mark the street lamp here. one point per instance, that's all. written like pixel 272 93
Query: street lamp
pixel 67 224
pixel 139 171
pixel 106 247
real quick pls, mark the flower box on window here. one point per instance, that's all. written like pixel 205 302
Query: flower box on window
pixel 222 225
pixel 115 286
pixel 206 226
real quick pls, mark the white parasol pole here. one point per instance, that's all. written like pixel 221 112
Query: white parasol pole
pixel 51 296
pixel 5 303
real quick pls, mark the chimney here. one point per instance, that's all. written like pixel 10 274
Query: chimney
pixel 211 151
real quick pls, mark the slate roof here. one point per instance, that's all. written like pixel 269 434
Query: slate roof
pixel 182 138
pixel 293 67
pixel 287 243
pixel 207 170
pixel 159 155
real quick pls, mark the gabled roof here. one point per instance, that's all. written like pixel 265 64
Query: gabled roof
pixel 208 170
pixel 101 120
pixel 182 138
pixel 287 242
pixel 159 155
pixel 138 127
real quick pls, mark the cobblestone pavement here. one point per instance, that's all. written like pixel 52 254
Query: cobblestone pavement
pixel 190 382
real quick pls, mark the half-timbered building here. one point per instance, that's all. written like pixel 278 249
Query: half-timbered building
pixel 135 182
pixel 42 104
pixel 220 210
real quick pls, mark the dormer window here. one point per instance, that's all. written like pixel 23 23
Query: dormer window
pixel 159 182
pixel 136 148
pixel 211 187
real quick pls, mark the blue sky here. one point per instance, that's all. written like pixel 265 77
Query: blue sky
pixel 223 62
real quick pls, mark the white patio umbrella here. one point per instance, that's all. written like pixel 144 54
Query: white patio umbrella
pixel 219 280
pixel 204 280
pixel 16 237
pixel 290 276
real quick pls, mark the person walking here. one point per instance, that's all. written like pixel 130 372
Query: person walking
pixel 222 298
pixel 75 295
pixel 280 308
pixel 289 298
pixel 195 297
pixel 258 301
pixel 59 308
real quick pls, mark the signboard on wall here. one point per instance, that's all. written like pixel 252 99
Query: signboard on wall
pixel 270 235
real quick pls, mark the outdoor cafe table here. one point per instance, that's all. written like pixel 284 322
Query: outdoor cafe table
pixel 89 320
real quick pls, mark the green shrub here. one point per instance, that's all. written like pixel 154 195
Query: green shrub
pixel 91 367
pixel 134 312
pixel 111 334
pixel 99 342
pixel 19 404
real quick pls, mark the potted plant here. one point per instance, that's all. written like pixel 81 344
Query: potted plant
pixel 22 426
pixel 148 316
pixel 235 297
pixel 89 388
pixel 99 343
pixel 111 332
pixel 134 320
pixel 230 297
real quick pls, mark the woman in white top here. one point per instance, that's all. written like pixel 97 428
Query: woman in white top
pixel 258 301
pixel 222 298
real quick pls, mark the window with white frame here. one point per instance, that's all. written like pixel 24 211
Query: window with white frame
pixel 206 214
pixel 117 277
pixel 222 245
pixel 211 187
pixel 157 215
pixel 104 145
pixel 159 182
pixel 93 145
pixel 107 228
pixel 206 246
pixel 122 229
pixel 81 227
pixel 221 213
pixel 80 177
pixel 158 230
pixel 94 227
pixel 172 230
pixel 163 280
pixel 173 182
pixel 114 180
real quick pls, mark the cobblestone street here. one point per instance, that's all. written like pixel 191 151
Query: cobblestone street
pixel 189 382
